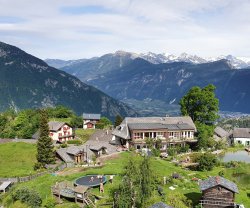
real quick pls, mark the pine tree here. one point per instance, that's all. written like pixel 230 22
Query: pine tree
pixel 146 180
pixel 45 153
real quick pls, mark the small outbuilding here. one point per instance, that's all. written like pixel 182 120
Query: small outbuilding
pixel 90 120
pixel 4 186
pixel 218 192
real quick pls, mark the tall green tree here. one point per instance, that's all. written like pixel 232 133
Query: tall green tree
pixel 137 184
pixel 146 180
pixel 103 123
pixel 201 104
pixel 125 195
pixel 45 152
pixel 118 120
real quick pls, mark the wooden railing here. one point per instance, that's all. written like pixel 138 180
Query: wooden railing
pixel 217 203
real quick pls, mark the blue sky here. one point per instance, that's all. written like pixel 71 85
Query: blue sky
pixel 72 29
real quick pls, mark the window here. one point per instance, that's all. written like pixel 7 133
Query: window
pixel 138 147
pixel 138 135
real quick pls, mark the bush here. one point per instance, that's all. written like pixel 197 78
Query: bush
pixel 50 203
pixel 63 145
pixel 75 141
pixel 27 196
pixel 38 166
pixel 206 162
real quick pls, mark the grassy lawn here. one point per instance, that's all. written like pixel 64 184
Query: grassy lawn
pixel 240 175
pixel 66 120
pixel 17 159
pixel 84 134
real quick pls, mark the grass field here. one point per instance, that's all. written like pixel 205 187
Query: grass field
pixel 84 134
pixel 17 159
pixel 185 186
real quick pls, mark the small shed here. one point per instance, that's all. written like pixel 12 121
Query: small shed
pixel 218 192
pixel 4 186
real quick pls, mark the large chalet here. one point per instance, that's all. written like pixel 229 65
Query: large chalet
pixel 172 131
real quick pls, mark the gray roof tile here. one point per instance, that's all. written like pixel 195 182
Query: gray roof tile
pixel 241 132
pixel 91 116
pixel 217 180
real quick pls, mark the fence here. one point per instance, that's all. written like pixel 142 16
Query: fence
pixel 25 178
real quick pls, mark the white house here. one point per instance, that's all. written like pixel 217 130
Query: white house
pixel 58 131
pixel 240 136
pixel 90 120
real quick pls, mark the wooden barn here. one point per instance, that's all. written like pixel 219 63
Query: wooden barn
pixel 218 192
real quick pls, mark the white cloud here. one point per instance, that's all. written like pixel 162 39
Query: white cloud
pixel 203 27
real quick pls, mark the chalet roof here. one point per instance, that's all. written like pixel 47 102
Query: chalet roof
pixel 97 147
pixel 74 150
pixel 56 125
pixel 160 205
pixel 217 180
pixel 91 116
pixel 65 153
pixel 173 123
pixel 221 132
pixel 241 133
pixel 146 126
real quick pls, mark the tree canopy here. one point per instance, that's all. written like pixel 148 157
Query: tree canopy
pixel 201 104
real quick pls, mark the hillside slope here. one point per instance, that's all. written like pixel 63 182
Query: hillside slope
pixel 28 82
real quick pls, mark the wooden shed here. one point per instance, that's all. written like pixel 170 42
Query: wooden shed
pixel 218 192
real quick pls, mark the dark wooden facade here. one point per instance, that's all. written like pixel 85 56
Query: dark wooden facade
pixel 217 197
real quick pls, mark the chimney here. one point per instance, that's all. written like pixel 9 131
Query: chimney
pixel 217 179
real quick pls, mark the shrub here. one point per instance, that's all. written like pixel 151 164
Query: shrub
pixel 50 203
pixel 38 166
pixel 206 162
pixel 27 196
pixel 75 141
pixel 63 145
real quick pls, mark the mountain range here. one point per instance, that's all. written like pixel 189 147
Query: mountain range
pixel 236 62
pixel 28 82
pixel 151 84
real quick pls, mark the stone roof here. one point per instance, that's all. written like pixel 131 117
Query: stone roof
pixel 221 132
pixel 74 150
pixel 91 116
pixel 65 153
pixel 241 133
pixel 218 181
pixel 173 123
pixel 160 205
pixel 55 125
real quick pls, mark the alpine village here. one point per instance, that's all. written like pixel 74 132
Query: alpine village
pixel 122 129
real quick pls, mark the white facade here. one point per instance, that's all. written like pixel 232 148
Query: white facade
pixel 63 134
pixel 88 124
pixel 244 141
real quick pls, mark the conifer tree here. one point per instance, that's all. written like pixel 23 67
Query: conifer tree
pixel 45 153
pixel 146 180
